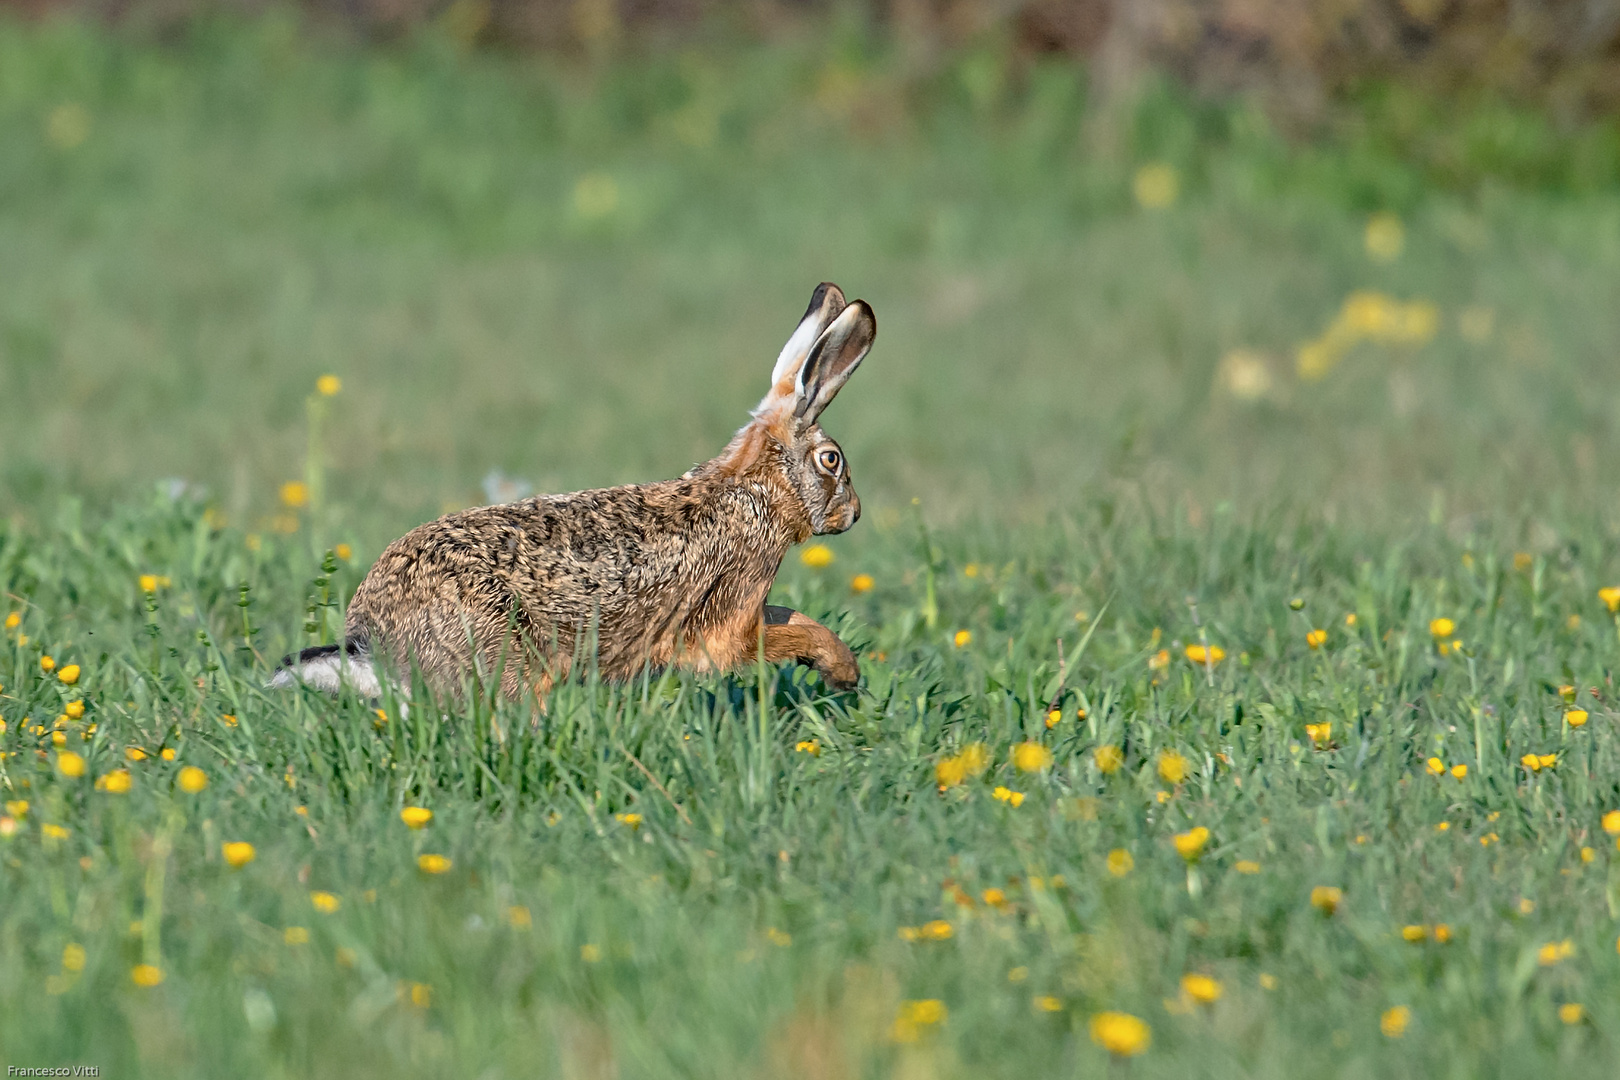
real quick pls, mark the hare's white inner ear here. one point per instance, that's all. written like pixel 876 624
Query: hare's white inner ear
pixel 825 305
pixel 833 359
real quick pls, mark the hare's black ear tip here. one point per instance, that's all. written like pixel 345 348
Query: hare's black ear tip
pixel 819 297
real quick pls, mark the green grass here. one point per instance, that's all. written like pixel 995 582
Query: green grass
pixel 250 210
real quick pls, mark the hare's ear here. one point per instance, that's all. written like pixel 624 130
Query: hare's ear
pixel 833 359
pixel 826 303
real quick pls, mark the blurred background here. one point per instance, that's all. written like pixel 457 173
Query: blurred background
pixel 1359 257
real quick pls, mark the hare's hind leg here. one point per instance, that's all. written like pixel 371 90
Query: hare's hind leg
pixel 790 635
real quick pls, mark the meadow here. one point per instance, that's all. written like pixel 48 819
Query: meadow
pixel 1237 593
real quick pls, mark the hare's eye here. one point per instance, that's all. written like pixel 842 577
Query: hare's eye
pixel 829 459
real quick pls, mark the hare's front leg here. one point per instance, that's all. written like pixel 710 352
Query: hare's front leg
pixel 790 635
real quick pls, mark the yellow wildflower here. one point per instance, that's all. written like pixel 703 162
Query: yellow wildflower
pixel 1159 660
pixel 146 975
pixel 1172 767
pixel 963 638
pixel 344 552
pixel 994 898
pixel 1350 619
pixel 1555 952
pixel 1054 717
pixel 167 753
pixel 1394 1022
pixel 1575 718
pixel 1442 628
pixel 416 816
pixel 1527 906
pixel 328 385
pixel 590 953
pixel 46 663
pixel 294 494
pixel 948 772
pixel 1200 654
pixel 1268 981
pixel 1442 933
pixel 1547 761
pixel 1108 759
pixel 1320 733
pixel 1588 855
pixel 1611 823
pixel 808 746
pixel 975 758
pixel 1385 237
pixel 1190 844
pixel 192 780
pixel 17 807
pixel 135 753
pixel 1120 862
pixel 1326 898
pixel 1415 933
pixel 1017 974
pixel 1121 1034
pixel 1048 1003
pixel 13 620
pixel 1031 757
pixel 1009 796
pixel 632 820
pixel 70 764
pixel 116 782
pixel 69 674
pixel 295 935
pixel 54 832
pixel 861 583
pixel 1610 597
pixel 1201 988
pixel 817 556
pixel 227 719
pixel 433 864
pixel 1246 866
pixel 1316 638
pixel 936 930
pixel 1459 771
pixel 238 853
pixel 74 710
pixel 324 902
pixel 73 957
pixel 518 916
pixel 1435 766
pixel 1571 1012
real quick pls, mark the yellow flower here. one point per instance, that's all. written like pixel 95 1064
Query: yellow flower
pixel 1588 855
pixel 1395 1021
pixel 328 385
pixel 937 930
pixel 915 1015
pixel 146 975
pixel 1200 654
pixel 1610 597
pixel 13 620
pixel 1121 1034
pixel 192 780
pixel 294 494
pixel 1326 898
pixel 1611 823
pixel 1172 767
pixel 1385 237
pixel 950 771
pixel 47 664
pixel 70 764
pixel 590 953
pixel 1555 952
pixel 1435 766
pixel 17 807
pixel 808 746
pixel 116 782
pixel 1442 628
pixel 69 674
pixel 1159 659
pixel 1155 186
pixel 1120 862
pixel 1246 866
pixel 1350 619
pixel 1048 1003
pixel 421 995
pixel 861 583
pixel 1527 906
pixel 1488 839
pixel 817 556
pixel 135 753
pixel 324 902
pixel 994 898
pixel 433 864
pixel 963 638
pixel 344 552
pixel 518 916
pixel 1320 733
pixel 1547 761
pixel 975 758
pixel 1415 933
pixel 238 853
pixel 74 709
pixel 1316 638
pixel 73 957
pixel 1575 718
pixel 1442 933
pixel 295 935
pixel 1009 796
pixel 167 753
pixel 1054 717
pixel 1017 974
pixel 54 832
pixel 1031 757
pixel 1268 981
pixel 1571 1012
pixel 1459 771
pixel 1108 759
pixel 1190 844
pixel 1201 988
pixel 416 816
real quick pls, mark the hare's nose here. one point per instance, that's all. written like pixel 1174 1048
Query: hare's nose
pixel 854 510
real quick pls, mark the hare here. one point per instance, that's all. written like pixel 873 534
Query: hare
pixel 646 575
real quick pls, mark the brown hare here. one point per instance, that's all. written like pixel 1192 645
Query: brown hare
pixel 645 576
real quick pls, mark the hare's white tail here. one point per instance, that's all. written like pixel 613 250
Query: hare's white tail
pixel 330 668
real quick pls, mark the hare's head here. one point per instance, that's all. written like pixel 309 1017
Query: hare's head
pixel 830 343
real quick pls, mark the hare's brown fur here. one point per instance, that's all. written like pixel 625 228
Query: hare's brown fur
pixel 635 577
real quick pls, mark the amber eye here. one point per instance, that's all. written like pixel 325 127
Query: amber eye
pixel 829 460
